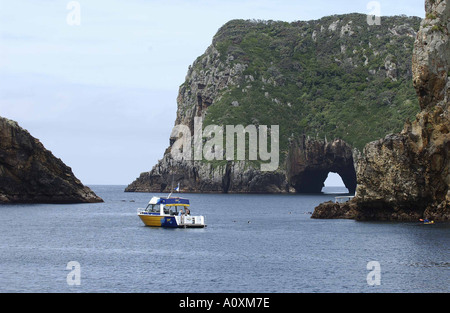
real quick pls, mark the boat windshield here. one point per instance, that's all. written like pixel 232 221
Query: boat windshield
pixel 152 208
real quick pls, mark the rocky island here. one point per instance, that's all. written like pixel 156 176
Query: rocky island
pixel 405 176
pixel 332 85
pixel 29 173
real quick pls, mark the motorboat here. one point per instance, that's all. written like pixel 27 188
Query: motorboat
pixel 173 212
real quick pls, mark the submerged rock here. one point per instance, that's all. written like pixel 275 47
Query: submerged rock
pixel 29 173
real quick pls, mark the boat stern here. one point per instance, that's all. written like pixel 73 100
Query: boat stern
pixel 192 221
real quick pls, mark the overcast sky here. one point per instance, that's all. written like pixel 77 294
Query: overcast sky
pixel 101 95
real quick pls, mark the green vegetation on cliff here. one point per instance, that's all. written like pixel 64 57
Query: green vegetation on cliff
pixel 336 77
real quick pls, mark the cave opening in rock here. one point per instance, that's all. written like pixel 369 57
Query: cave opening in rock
pixel 312 179
pixel 334 184
pixel 310 162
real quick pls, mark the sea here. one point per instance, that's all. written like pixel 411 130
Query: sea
pixel 252 244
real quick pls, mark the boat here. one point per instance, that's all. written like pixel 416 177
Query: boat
pixel 426 221
pixel 172 212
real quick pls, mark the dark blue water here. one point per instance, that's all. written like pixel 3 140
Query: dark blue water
pixel 253 243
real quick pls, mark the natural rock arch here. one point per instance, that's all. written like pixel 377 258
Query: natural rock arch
pixel 310 161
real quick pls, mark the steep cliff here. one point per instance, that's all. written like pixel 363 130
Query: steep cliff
pixel 405 176
pixel 29 173
pixel 336 78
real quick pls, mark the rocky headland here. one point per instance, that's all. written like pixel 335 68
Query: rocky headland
pixel 405 176
pixel 337 77
pixel 29 173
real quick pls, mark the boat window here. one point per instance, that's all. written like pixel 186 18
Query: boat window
pixel 166 210
pixel 172 210
pixel 152 208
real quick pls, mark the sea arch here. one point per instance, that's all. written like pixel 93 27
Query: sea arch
pixel 310 160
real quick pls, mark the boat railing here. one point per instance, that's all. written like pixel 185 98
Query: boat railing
pixel 342 199
pixel 141 210
pixel 191 221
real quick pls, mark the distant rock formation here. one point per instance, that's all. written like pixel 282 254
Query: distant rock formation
pixel 406 176
pixel 29 173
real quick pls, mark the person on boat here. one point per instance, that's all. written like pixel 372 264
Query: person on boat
pixel 181 212
pixel 188 212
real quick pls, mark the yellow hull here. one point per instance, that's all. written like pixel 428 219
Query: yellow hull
pixel 171 221
pixel 151 220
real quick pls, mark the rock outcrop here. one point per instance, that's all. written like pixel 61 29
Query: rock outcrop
pixel 406 176
pixel 316 78
pixel 333 210
pixel 29 173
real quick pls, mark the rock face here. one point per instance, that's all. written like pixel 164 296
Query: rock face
pixel 406 176
pixel 196 176
pixel 310 78
pixel 308 164
pixel 31 174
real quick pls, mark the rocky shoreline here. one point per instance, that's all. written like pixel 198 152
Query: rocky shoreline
pixel 307 166
pixel 29 173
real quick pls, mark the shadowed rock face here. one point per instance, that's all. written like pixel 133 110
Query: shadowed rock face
pixel 406 176
pixel 308 164
pixel 310 161
pixel 29 173
pixel 196 176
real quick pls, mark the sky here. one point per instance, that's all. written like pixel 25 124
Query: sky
pixel 96 81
